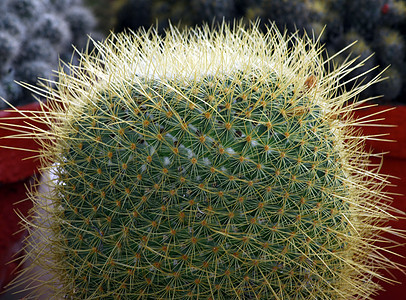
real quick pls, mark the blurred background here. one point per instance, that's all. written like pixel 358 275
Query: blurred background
pixel 36 34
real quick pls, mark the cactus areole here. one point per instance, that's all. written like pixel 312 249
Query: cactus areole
pixel 207 164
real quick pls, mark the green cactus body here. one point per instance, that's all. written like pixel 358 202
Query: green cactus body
pixel 190 187
pixel 205 166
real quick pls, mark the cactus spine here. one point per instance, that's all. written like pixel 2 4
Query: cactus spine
pixel 209 164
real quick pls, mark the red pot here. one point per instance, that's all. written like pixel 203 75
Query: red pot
pixel 394 163
pixel 17 165
pixel 16 170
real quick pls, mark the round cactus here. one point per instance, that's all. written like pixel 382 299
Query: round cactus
pixel 207 11
pixel 208 164
pixel 293 15
pixel 80 20
pixel 54 29
pixel 135 14
pixel 34 33
pixel 8 47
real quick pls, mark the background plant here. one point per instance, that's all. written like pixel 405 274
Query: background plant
pixel 208 164
pixel 379 26
pixel 33 35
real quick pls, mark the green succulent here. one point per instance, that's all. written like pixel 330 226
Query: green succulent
pixel 213 163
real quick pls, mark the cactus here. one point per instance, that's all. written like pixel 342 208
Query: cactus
pixel 105 12
pixel 392 87
pixel 26 10
pixel 33 33
pixel 293 15
pixel 213 163
pixel 80 20
pixel 54 29
pixel 365 18
pixel 134 14
pixel 206 11
pixel 390 46
pixel 10 24
pixel 394 14
pixel 363 52
pixel 8 47
pixel 141 13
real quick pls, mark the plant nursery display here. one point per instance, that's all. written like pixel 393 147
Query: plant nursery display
pixel 209 163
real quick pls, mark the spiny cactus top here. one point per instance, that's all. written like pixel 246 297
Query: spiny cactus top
pixel 209 164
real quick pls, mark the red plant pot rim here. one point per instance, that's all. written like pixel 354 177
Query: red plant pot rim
pixel 16 165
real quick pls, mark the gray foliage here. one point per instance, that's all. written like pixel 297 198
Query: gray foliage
pixel 33 34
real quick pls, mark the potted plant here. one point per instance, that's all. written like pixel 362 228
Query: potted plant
pixel 175 171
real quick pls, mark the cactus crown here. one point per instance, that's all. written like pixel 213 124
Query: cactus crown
pixel 208 164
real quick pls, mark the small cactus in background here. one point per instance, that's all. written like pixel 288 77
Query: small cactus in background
pixel 134 14
pixel 293 15
pixel 362 16
pixel 380 26
pixel 140 13
pixel 205 10
pixel 208 164
pixel 32 35
pixel 368 20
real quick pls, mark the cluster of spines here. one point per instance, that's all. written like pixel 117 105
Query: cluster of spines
pixel 227 185
pixel 218 190
pixel 32 36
